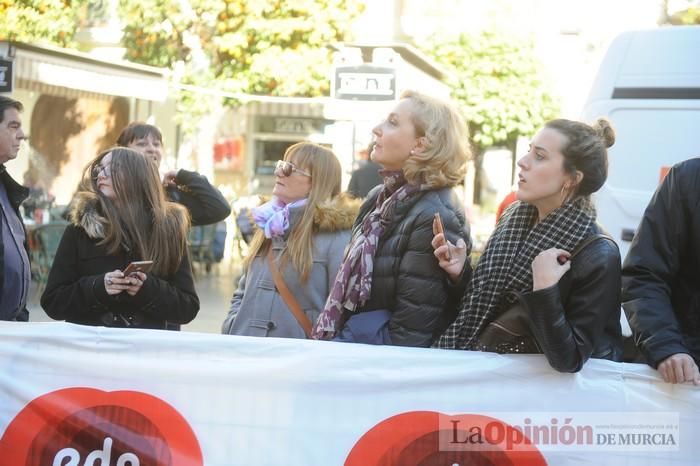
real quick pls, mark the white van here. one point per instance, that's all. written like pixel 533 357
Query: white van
pixel 648 85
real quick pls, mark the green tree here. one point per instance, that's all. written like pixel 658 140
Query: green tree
pixel 497 82
pixel 265 47
pixel 45 21
pixel 268 47
pixel 687 17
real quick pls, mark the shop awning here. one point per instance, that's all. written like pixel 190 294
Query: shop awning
pixel 74 74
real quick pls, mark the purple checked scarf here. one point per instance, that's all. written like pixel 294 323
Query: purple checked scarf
pixel 353 284
pixel 273 217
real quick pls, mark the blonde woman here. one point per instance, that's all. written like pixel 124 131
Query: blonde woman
pixel 122 216
pixel 304 230
pixel 390 277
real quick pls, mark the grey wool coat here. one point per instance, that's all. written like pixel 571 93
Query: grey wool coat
pixel 257 309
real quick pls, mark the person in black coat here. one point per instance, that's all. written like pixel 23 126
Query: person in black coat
pixel 366 176
pixel 661 277
pixel 204 202
pixel 571 304
pixel 389 270
pixel 122 216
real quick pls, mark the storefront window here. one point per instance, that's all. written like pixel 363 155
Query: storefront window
pixel 267 153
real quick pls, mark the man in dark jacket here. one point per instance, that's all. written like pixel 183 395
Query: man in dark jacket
pixel 365 177
pixel 661 277
pixel 15 276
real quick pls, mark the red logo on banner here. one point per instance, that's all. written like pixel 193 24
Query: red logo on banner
pixel 426 438
pixel 79 426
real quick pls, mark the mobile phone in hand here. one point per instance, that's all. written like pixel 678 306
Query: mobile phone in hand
pixel 138 266
pixel 438 227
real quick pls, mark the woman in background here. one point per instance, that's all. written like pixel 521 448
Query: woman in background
pixel 204 202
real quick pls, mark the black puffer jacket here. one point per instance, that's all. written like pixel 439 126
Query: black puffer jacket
pixel 407 279
pixel 661 274
pixel 579 317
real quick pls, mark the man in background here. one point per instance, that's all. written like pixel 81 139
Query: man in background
pixel 366 176
pixel 15 273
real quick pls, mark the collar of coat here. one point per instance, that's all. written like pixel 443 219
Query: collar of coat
pixel 84 213
pixel 335 214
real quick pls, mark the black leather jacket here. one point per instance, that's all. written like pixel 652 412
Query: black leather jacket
pixel 407 279
pixel 661 275
pixel 579 317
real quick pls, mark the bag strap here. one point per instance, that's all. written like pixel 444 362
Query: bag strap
pixel 288 297
pixel 580 246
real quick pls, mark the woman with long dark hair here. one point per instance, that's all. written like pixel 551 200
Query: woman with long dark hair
pixel 121 216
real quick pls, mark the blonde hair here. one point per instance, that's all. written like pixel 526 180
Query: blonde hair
pixel 141 220
pixel 443 162
pixel 324 168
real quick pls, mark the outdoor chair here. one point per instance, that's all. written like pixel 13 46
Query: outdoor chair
pixel 46 238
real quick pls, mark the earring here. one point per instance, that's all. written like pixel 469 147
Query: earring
pixel 565 191
pixel 412 152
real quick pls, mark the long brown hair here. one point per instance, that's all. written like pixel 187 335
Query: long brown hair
pixel 140 219
pixel 325 172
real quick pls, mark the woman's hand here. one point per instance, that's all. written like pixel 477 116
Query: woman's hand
pixel 135 282
pixel 548 267
pixel 169 178
pixel 451 258
pixel 115 282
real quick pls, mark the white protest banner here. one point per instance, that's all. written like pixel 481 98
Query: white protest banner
pixel 75 396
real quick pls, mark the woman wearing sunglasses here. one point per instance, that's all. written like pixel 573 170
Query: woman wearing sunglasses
pixel 295 254
pixel 120 216
pixel 390 288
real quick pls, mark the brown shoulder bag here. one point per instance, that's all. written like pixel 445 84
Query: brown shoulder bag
pixel 510 331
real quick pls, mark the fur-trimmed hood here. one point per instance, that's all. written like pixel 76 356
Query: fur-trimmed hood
pixel 84 214
pixel 337 214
